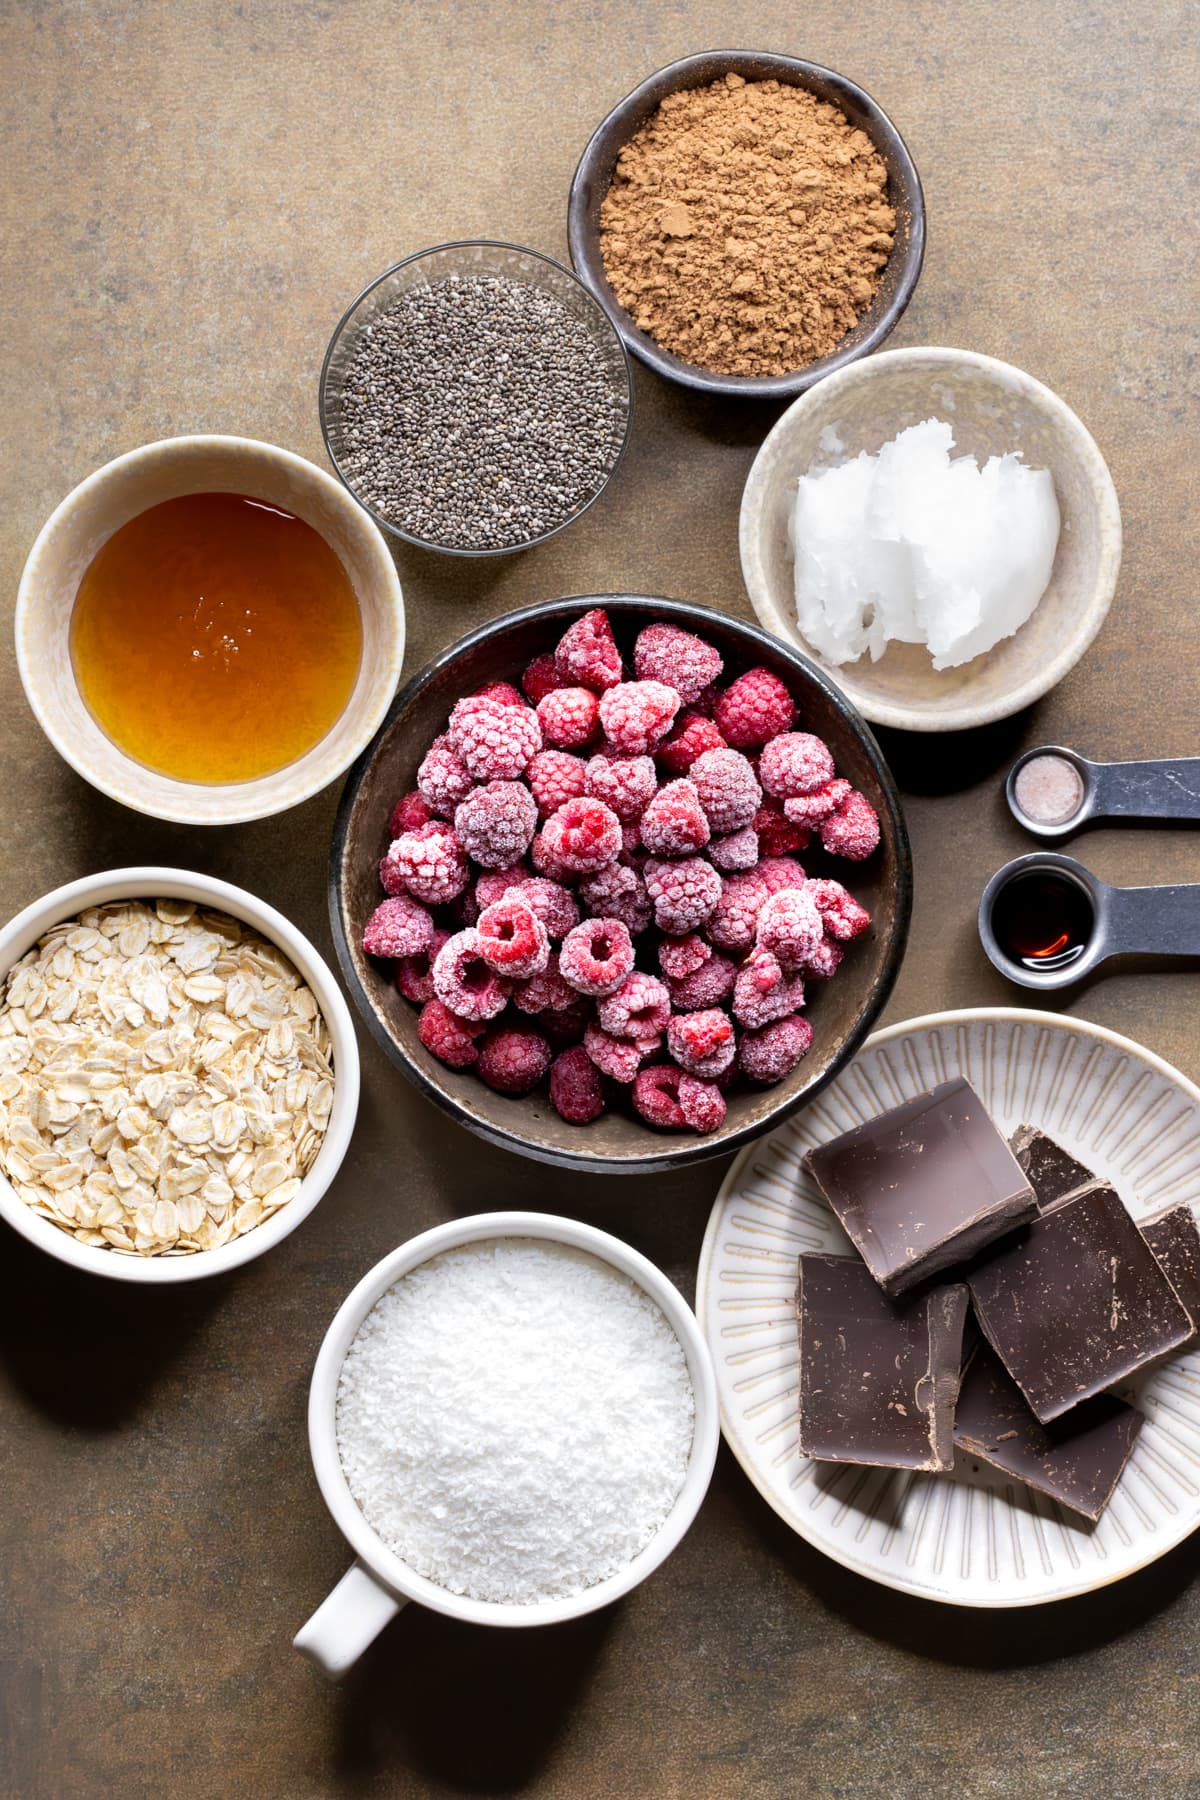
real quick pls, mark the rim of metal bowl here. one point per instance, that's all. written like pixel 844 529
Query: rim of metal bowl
pixel 429 544
pixel 584 242
pixel 675 1152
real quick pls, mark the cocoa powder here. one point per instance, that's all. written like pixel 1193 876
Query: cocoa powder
pixel 746 226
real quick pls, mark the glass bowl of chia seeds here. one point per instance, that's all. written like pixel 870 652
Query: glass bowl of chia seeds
pixel 475 398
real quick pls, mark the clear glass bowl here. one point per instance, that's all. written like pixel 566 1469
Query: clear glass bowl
pixel 480 257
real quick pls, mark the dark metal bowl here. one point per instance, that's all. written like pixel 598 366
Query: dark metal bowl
pixel 596 165
pixel 842 1011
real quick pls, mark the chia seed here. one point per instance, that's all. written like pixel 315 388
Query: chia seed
pixel 479 412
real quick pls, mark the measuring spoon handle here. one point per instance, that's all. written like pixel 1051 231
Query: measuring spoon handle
pixel 1153 921
pixel 1168 789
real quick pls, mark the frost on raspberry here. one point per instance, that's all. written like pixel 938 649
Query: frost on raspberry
pixel 597 956
pixel 576 1090
pixel 547 992
pixel 736 852
pixel 503 691
pixel 513 1059
pixel 677 658
pixel 495 741
pixel 825 959
pixel 587 653
pixel 768 1055
pixel 656 1097
pixel 674 823
pixel 691 736
pixel 496 822
pixel 701 1103
pixel 728 789
pixel 842 915
pixel 555 777
pixel 702 1043
pixel 776 872
pixel 399 927
pixel 626 783
pixel 429 863
pixel 754 709
pixel 735 915
pixel 568 717
pixel 446 1036
pixel 618 892
pixel 582 836
pixel 678 957
pixel 806 811
pixel 640 1008
pixel 795 763
pixel 685 893
pixel 618 1058
pixel 709 985
pixel 542 678
pixel 512 939
pixel 443 779
pixel 853 830
pixel 414 974
pixel 463 981
pixel 762 992
pixel 637 715
pixel 790 926
pixel 493 884
pixel 552 903
pixel 776 833
pixel 409 811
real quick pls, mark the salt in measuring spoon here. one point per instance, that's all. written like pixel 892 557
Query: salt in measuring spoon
pixel 1046 921
pixel 1054 792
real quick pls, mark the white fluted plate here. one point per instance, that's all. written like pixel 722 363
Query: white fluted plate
pixel 974 1537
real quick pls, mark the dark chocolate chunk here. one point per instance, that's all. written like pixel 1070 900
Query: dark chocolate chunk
pixel 878 1379
pixel 1075 1302
pixel 1076 1459
pixel 923 1186
pixel 1174 1237
pixel 1053 1172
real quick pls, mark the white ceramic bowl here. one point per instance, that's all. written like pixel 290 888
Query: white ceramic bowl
pixel 993 408
pixel 378 1584
pixel 146 883
pixel 118 492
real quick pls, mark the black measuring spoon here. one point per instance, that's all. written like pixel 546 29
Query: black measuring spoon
pixel 1046 921
pixel 1054 792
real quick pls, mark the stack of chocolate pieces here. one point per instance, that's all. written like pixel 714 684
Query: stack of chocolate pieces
pixel 1068 1293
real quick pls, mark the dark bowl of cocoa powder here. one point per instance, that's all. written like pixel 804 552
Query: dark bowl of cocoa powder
pixel 750 222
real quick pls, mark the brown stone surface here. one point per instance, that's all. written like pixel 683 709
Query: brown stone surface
pixel 191 193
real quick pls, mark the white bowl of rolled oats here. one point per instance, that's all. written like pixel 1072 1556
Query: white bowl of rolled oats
pixel 178 1075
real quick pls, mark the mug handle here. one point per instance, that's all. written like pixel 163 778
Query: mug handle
pixel 347 1621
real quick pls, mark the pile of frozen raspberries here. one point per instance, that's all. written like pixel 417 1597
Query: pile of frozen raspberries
pixel 595 880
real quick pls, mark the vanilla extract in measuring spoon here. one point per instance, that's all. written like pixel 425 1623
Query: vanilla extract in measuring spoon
pixel 1042 920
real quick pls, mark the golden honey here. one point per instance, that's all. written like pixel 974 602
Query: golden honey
pixel 216 638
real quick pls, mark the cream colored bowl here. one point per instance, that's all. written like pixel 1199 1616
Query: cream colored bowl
pixel 118 492
pixel 993 408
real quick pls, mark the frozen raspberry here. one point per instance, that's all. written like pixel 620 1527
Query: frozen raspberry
pixel 780 872
pixel 794 763
pixel 626 783
pixel 513 1059
pixel 637 715
pixel 639 1008
pixel 587 655
pixel 702 1043
pixel 617 892
pixel 409 811
pixel 806 810
pixel 446 1036
pixel 825 959
pixel 754 709
pixel 618 1058
pixel 547 992
pixel 542 678
pixel 463 981
pixel 790 925
pixel 582 836
pixel 685 894
pixel 736 852
pixel 400 927
pixel 656 1097
pixel 709 985
pixel 728 789
pixel 702 1104
pixel 768 1055
pixel 731 926
pixel 548 866
pixel 776 834
pixel 568 717
pixel 550 902
pixel 576 1090
pixel 841 914
pixel 414 974
pixel 495 741
pixel 763 992
pixel 678 658
pixel 853 830
pixel 692 736
pixel 391 877
pixel 503 691
pixel 674 823
pixel 633 852
pixel 496 823
pixel 512 939
pixel 678 957
pixel 429 862
pixel 493 885
pixel 597 956
pixel 555 777
pixel 443 778
pixel 568 1024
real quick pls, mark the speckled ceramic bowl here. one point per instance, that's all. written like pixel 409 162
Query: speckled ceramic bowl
pixel 118 492
pixel 841 1010
pixel 993 408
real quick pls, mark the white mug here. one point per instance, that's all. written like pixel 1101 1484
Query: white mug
pixel 378 1584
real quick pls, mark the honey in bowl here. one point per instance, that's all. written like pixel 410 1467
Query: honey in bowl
pixel 216 638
